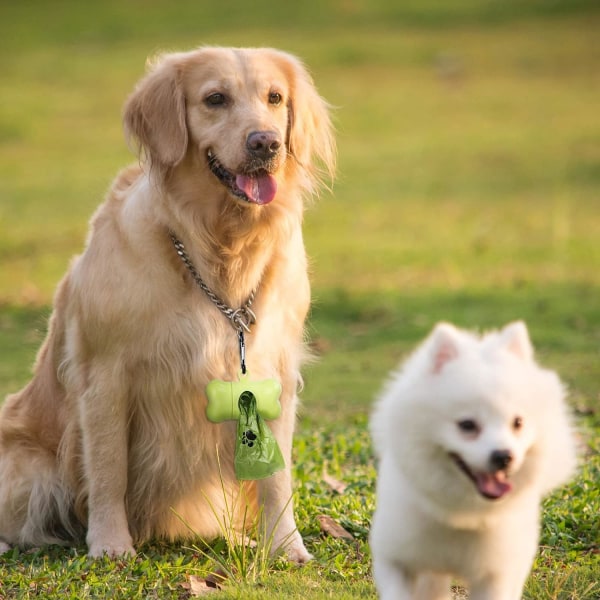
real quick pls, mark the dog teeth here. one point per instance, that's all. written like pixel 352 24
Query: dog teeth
pixel 213 161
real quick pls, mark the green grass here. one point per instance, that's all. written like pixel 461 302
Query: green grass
pixel 468 192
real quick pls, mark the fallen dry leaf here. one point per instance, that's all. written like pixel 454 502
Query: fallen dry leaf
pixel 335 530
pixel 198 586
pixel 333 483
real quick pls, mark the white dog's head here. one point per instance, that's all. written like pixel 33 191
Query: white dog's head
pixel 487 422
pixel 470 413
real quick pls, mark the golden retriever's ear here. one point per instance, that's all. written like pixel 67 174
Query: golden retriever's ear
pixel 154 115
pixel 311 141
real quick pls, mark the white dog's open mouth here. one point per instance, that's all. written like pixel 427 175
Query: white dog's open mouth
pixel 490 484
pixel 257 186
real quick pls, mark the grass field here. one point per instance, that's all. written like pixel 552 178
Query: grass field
pixel 468 190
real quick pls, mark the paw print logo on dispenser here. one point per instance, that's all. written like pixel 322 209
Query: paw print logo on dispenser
pixel 248 438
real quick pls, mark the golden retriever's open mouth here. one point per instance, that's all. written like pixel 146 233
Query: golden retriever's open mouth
pixel 490 484
pixel 257 186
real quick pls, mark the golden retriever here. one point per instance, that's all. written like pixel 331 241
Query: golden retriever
pixel 110 439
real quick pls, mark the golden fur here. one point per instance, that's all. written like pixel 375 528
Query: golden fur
pixel 110 438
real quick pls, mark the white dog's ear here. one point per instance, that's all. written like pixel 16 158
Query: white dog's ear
pixel 515 338
pixel 154 115
pixel 443 345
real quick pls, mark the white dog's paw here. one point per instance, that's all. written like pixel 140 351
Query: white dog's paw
pixel 4 547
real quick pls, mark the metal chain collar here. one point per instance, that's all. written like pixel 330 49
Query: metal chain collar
pixel 241 318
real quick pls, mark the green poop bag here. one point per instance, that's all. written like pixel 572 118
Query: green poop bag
pixel 257 454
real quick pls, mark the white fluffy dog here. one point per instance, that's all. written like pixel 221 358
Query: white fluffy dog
pixel 470 435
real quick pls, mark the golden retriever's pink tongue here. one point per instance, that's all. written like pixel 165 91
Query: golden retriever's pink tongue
pixel 260 189
pixel 492 485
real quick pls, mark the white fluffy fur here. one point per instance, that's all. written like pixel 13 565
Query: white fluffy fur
pixel 431 523
pixel 110 438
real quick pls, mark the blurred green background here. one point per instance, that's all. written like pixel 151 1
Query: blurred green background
pixel 469 166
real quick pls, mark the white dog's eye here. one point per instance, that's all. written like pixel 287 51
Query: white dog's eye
pixel 469 426
pixel 216 99
pixel 517 423
pixel 275 98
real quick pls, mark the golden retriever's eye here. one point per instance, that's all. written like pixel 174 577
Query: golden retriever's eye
pixel 216 99
pixel 517 423
pixel 275 98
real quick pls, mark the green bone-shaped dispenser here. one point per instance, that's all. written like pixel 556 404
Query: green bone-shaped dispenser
pixel 223 398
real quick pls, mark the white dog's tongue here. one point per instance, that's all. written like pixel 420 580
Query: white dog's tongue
pixel 492 485
pixel 260 189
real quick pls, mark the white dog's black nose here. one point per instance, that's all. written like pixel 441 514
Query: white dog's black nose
pixel 500 459
pixel 263 144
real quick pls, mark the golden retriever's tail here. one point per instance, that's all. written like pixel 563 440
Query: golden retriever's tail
pixel 51 517
pixel 36 507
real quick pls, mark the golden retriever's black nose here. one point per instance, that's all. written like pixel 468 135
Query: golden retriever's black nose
pixel 500 459
pixel 263 144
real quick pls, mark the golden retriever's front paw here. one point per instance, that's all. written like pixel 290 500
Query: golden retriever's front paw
pixel 113 548
pixel 298 554
pixel 110 550
pixel 4 547
pixel 293 547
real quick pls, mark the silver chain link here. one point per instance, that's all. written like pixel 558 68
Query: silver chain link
pixel 241 318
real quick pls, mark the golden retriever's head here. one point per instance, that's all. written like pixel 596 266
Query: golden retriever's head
pixel 248 119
